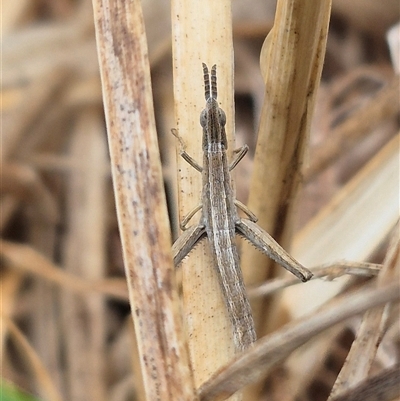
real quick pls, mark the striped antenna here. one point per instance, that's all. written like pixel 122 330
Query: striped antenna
pixel 214 81
pixel 206 81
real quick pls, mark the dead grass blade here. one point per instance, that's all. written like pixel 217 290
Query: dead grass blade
pixel 383 106
pixel 198 37
pixel 382 387
pixel 32 262
pixel 18 124
pixel 140 200
pixel 273 348
pixel 363 350
pixel 45 386
pixel 328 271
pixel 291 64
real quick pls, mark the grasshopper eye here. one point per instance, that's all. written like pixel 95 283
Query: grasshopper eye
pixel 203 118
pixel 222 117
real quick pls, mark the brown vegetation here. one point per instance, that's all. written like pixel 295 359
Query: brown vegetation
pixel 319 109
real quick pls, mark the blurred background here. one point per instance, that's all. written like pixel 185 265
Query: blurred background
pixel 66 331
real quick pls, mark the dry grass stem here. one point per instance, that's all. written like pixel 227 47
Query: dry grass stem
pixel 24 185
pixel 343 230
pixel 43 91
pixel 85 257
pixel 92 306
pixel 211 43
pixel 381 107
pixel 291 63
pixel 329 271
pixel 32 263
pixel 273 348
pixel 362 353
pixel 47 387
pixel 382 387
pixel 140 200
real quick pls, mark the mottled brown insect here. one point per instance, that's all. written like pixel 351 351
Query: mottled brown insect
pixel 220 221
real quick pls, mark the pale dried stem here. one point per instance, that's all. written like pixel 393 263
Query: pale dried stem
pixel 275 347
pixel 84 255
pixel 29 261
pixel 48 390
pixel 329 271
pixel 342 229
pixel 26 186
pixel 45 328
pixel 201 33
pixel 140 200
pixel 382 387
pixel 363 350
pixel 381 107
pixel 11 282
pixel 39 95
pixel 291 63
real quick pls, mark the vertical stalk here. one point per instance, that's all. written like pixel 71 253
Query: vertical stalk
pixel 291 62
pixel 140 200
pixel 202 32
